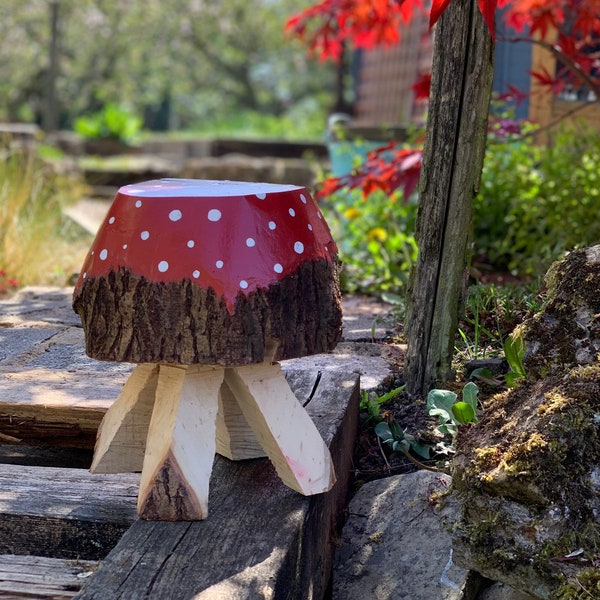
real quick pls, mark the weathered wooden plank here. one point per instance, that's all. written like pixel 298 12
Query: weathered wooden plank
pixel 64 513
pixel 261 538
pixel 36 577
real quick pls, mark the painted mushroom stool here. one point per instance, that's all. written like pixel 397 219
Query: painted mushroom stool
pixel 205 285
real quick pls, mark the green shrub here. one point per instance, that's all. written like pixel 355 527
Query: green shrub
pixel 112 122
pixel 375 237
pixel 537 203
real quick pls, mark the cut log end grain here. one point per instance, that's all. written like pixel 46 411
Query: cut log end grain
pixel 127 318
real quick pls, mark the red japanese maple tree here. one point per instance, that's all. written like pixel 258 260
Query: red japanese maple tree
pixel 570 29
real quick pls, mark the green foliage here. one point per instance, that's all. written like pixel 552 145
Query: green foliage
pixel 451 412
pixel 112 122
pixel 375 237
pixel 181 64
pixel 392 434
pixel 514 349
pixel 370 404
pixel 536 203
pixel 491 313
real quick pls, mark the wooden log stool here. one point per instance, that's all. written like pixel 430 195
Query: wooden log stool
pixel 205 285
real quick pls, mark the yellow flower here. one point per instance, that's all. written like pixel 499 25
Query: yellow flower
pixel 378 233
pixel 351 213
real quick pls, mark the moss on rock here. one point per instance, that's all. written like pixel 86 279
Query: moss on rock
pixel 528 475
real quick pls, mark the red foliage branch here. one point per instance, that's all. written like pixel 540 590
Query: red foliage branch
pixel 570 29
pixel 366 23
pixel 388 169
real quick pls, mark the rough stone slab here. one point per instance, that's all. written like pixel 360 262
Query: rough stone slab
pixel 64 513
pixel 37 577
pixel 260 540
pixel 394 544
pixel 499 591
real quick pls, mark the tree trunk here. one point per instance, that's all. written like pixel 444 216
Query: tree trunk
pixel 452 163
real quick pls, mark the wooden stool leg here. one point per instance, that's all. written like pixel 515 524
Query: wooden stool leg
pixel 180 449
pixel 235 438
pixel 283 427
pixel 121 441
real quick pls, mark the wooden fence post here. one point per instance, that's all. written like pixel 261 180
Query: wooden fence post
pixel 452 162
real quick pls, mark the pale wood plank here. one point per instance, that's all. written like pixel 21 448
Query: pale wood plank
pixel 122 434
pixel 181 444
pixel 283 427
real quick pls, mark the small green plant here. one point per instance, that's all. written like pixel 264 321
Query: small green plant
pixel 370 403
pixel 399 440
pixel 514 350
pixel 112 122
pixel 452 412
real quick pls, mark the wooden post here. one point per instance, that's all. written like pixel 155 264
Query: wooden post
pixel 452 162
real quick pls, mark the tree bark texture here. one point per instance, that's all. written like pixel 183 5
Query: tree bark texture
pixel 452 163
pixel 127 318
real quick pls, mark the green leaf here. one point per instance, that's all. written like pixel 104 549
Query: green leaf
pixel 463 412
pixel 514 349
pixel 512 379
pixel 447 429
pixel 383 431
pixel 422 450
pixel 390 394
pixel 439 404
pixel 469 394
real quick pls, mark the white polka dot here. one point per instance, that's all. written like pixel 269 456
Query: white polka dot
pixel 303 198
pixel 92 253
pixel 124 246
pixel 84 275
pixel 138 203
pixel 309 227
pixel 175 215
pixel 196 274
pixel 163 266
pixel 111 220
pixel 277 268
pixel 103 254
pixel 145 235
pixel 261 196
pixel 243 284
pixel 319 214
pixel 250 242
pixel 292 212
pixel 272 225
pixel 219 264
pixel 191 243
pixel 299 247
pixel 214 214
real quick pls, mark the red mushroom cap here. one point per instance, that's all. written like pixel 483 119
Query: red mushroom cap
pixel 233 237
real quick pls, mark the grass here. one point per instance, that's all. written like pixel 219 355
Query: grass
pixel 38 244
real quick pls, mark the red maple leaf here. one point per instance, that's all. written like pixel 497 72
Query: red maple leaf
pixel 554 84
pixel 438 7
pixel 422 87
pixel 488 10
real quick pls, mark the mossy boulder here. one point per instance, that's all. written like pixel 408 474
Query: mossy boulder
pixel 528 475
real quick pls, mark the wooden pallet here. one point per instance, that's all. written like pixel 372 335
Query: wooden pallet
pixel 261 538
